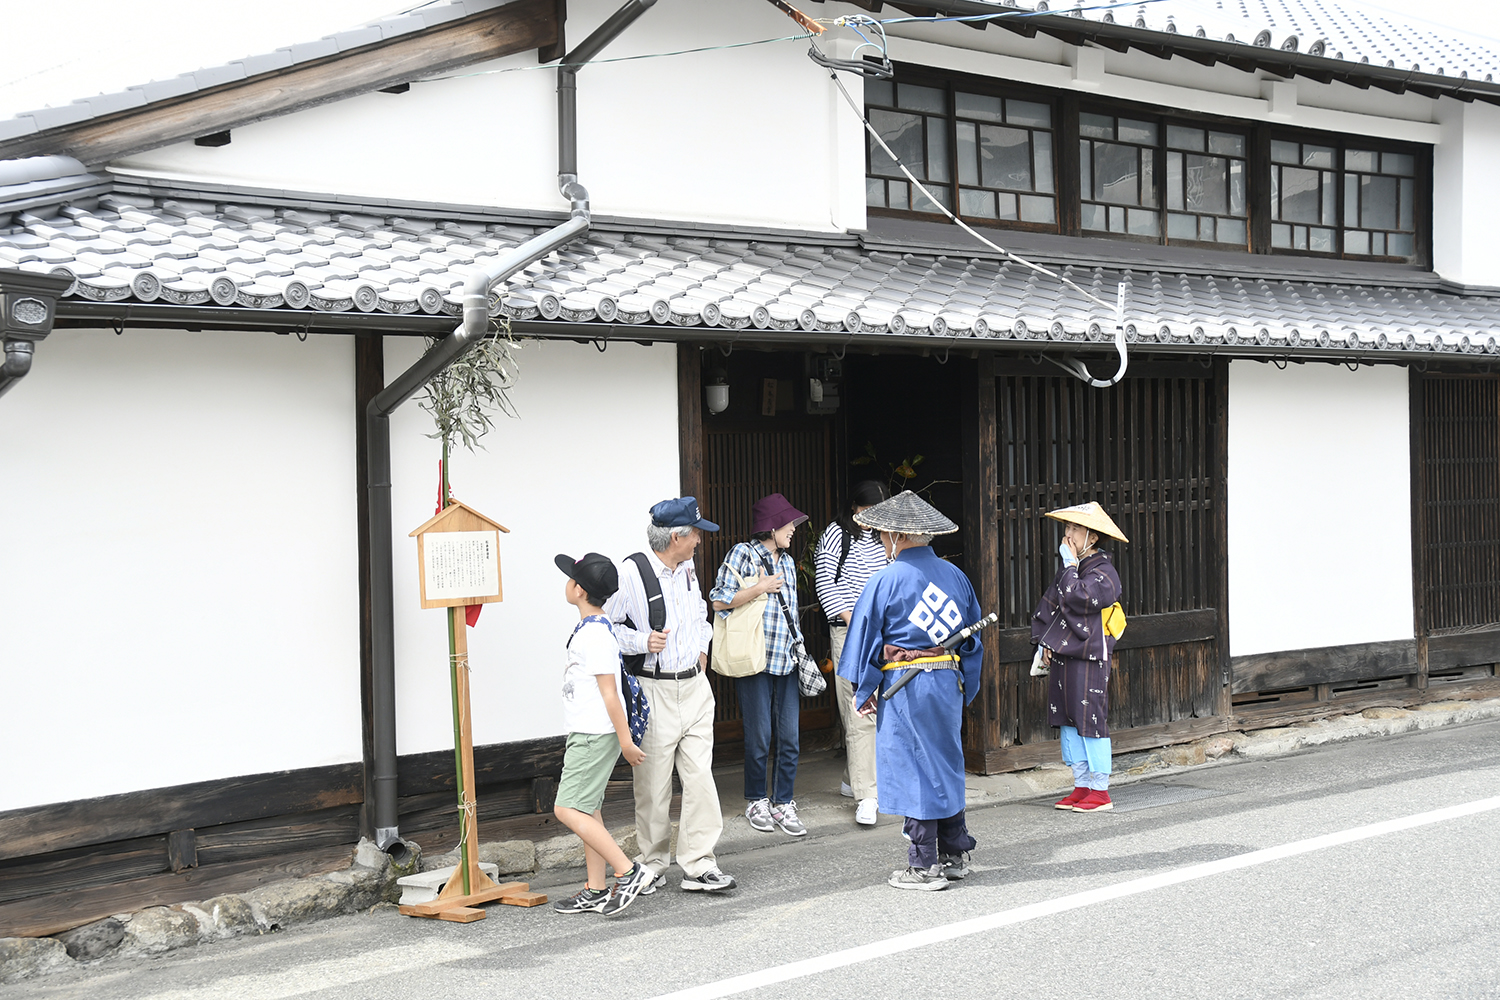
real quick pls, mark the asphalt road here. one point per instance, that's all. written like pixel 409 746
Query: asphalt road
pixel 1366 869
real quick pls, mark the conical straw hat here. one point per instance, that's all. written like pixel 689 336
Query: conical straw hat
pixel 1091 516
pixel 906 514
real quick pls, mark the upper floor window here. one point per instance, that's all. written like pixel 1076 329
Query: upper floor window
pixel 995 157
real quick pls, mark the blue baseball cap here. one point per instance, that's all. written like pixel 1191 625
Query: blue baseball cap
pixel 680 513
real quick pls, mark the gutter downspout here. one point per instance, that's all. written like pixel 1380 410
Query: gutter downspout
pixel 471 331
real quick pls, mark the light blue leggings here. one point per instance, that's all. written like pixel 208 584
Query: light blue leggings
pixel 1089 757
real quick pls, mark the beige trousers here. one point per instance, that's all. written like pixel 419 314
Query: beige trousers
pixel 680 735
pixel 859 730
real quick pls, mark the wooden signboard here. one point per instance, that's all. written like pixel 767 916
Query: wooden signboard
pixel 458 560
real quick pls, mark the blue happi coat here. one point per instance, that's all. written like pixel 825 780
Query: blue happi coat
pixel 915 602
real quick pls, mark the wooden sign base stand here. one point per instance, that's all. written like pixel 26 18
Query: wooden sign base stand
pixel 468 887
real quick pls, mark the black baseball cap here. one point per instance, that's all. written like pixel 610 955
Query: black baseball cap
pixel 594 573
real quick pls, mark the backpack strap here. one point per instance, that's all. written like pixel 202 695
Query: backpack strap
pixel 656 604
pixel 591 618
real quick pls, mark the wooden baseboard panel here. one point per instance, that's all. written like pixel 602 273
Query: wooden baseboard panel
pixel 1019 758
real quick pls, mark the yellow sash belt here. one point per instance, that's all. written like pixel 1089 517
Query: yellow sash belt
pixel 903 664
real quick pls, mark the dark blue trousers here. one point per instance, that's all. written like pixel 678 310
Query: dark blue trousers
pixel 770 708
pixel 931 837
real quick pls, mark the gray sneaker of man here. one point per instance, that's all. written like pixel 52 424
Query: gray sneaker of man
pixel 785 815
pixel 955 866
pixel 759 815
pixel 712 880
pixel 928 879
pixel 654 884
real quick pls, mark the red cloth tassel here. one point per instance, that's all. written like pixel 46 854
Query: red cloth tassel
pixel 471 613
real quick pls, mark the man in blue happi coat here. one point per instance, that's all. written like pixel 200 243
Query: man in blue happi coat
pixel 899 624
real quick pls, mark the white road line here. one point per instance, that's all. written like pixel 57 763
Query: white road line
pixel 315 976
pixel 978 925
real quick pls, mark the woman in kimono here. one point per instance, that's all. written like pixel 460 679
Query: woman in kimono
pixel 1068 630
pixel 899 623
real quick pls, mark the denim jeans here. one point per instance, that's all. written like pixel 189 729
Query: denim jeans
pixel 769 707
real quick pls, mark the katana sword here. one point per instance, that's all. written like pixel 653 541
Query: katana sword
pixel 949 643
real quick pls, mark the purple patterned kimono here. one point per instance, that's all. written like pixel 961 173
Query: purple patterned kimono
pixel 1067 621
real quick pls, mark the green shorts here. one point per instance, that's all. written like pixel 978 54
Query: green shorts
pixel 588 762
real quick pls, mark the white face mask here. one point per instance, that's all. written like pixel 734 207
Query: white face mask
pixel 1066 551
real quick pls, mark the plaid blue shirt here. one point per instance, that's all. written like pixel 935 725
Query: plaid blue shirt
pixel 748 558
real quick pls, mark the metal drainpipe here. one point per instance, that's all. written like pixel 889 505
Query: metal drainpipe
pixel 475 324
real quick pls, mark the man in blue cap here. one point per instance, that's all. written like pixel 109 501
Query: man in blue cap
pixel 671 662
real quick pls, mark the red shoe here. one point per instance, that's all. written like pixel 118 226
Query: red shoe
pixel 1072 800
pixel 1094 801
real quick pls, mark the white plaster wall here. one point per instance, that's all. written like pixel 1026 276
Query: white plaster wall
pixel 1319 507
pixel 594 448
pixel 1466 200
pixel 734 137
pixel 178 590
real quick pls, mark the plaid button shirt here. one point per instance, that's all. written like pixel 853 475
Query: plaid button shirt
pixel 748 558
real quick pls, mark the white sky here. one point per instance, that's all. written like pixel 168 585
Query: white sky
pixel 58 51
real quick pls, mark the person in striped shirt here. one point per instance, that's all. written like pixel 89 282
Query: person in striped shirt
pixel 846 557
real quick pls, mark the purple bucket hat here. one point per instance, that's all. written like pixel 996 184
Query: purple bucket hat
pixel 772 512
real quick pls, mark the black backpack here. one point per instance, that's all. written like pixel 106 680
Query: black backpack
pixel 656 610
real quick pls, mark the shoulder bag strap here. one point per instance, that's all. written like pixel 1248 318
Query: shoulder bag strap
pixel 786 611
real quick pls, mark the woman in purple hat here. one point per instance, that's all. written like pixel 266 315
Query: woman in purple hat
pixel 769 699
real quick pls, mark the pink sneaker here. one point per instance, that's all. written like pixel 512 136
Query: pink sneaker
pixel 1094 801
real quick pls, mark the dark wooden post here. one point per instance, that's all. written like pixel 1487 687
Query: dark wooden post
pixel 1223 702
pixel 982 546
pixel 369 379
pixel 690 430
pixel 1418 430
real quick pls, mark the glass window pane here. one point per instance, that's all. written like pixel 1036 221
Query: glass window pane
pixel 1401 244
pixel 1408 204
pixel 1317 156
pixel 1086 169
pixel 1143 223
pixel 1182 227
pixel 1299 237
pixel 1041 147
pixel 916 98
pixel 1035 208
pixel 1093 217
pixel 1117 220
pixel 1137 131
pixel 921 204
pixel 1028 113
pixel 1275 192
pixel 1148 177
pixel 968 154
pixel 1284 152
pixel 1360 159
pixel 1174 185
pixel 1398 163
pixel 880 92
pixel 1185 138
pixel 978 106
pixel 1351 200
pixel 899 194
pixel 1116 173
pixel 1377 202
pixel 1096 126
pixel 1281 236
pixel 903 133
pixel 1237 188
pixel 1356 241
pixel 1005 157
pixel 1226 143
pixel 1007 205
pixel 1207 184
pixel 1206 229
pixel 1321 240
pixel 937 149
pixel 875 192
pixel 1299 195
pixel 1330 199
pixel 1233 231
pixel 976 204
pixel 1377 244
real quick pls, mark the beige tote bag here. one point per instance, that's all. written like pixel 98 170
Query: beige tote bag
pixel 740 637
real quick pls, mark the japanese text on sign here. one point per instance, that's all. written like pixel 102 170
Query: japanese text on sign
pixel 460 564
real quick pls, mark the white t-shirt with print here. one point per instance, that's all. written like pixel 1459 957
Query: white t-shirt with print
pixel 593 651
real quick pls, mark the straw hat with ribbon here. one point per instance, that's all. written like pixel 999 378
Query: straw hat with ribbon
pixel 1091 516
pixel 905 514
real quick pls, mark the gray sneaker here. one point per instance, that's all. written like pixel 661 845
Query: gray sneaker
pixel 955 866
pixel 654 884
pixel 785 815
pixel 759 815
pixel 710 881
pixel 919 878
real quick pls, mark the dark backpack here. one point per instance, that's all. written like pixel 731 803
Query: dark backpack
pixel 637 708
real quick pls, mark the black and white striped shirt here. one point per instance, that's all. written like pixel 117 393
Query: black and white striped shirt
pixel 866 555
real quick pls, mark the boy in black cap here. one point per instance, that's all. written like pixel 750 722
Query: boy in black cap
pixel 598 734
